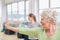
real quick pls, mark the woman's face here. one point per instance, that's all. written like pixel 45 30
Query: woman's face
pixel 43 21
pixel 30 18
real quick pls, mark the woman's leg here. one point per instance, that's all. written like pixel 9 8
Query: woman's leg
pixel 22 36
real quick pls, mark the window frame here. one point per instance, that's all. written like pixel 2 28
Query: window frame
pixel 17 9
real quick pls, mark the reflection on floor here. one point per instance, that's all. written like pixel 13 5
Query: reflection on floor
pixel 8 37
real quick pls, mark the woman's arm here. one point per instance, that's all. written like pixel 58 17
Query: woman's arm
pixel 32 32
pixel 11 28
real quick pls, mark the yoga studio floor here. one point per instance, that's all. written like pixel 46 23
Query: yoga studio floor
pixel 8 37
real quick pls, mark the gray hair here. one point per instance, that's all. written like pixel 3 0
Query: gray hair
pixel 48 13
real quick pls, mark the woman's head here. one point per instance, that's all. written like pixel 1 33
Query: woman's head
pixel 32 17
pixel 48 16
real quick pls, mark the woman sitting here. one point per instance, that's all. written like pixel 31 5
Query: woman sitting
pixel 31 24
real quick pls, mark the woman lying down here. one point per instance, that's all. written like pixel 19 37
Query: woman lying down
pixel 48 21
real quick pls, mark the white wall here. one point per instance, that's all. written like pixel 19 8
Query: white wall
pixel 0 9
pixel 3 12
pixel 0 12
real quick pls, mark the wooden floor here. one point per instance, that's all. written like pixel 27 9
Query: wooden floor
pixel 8 37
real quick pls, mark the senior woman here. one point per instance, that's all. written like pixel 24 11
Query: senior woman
pixel 48 22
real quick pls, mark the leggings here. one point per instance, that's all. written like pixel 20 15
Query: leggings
pixel 22 36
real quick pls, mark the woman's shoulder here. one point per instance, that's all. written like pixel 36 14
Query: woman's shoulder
pixel 38 24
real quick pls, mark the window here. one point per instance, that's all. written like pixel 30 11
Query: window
pixel 21 10
pixel 21 6
pixel 27 9
pixel 27 2
pixel 14 8
pixel 17 11
pixel 58 14
pixel 43 4
pixel 55 3
pixel 14 11
pixel 9 11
